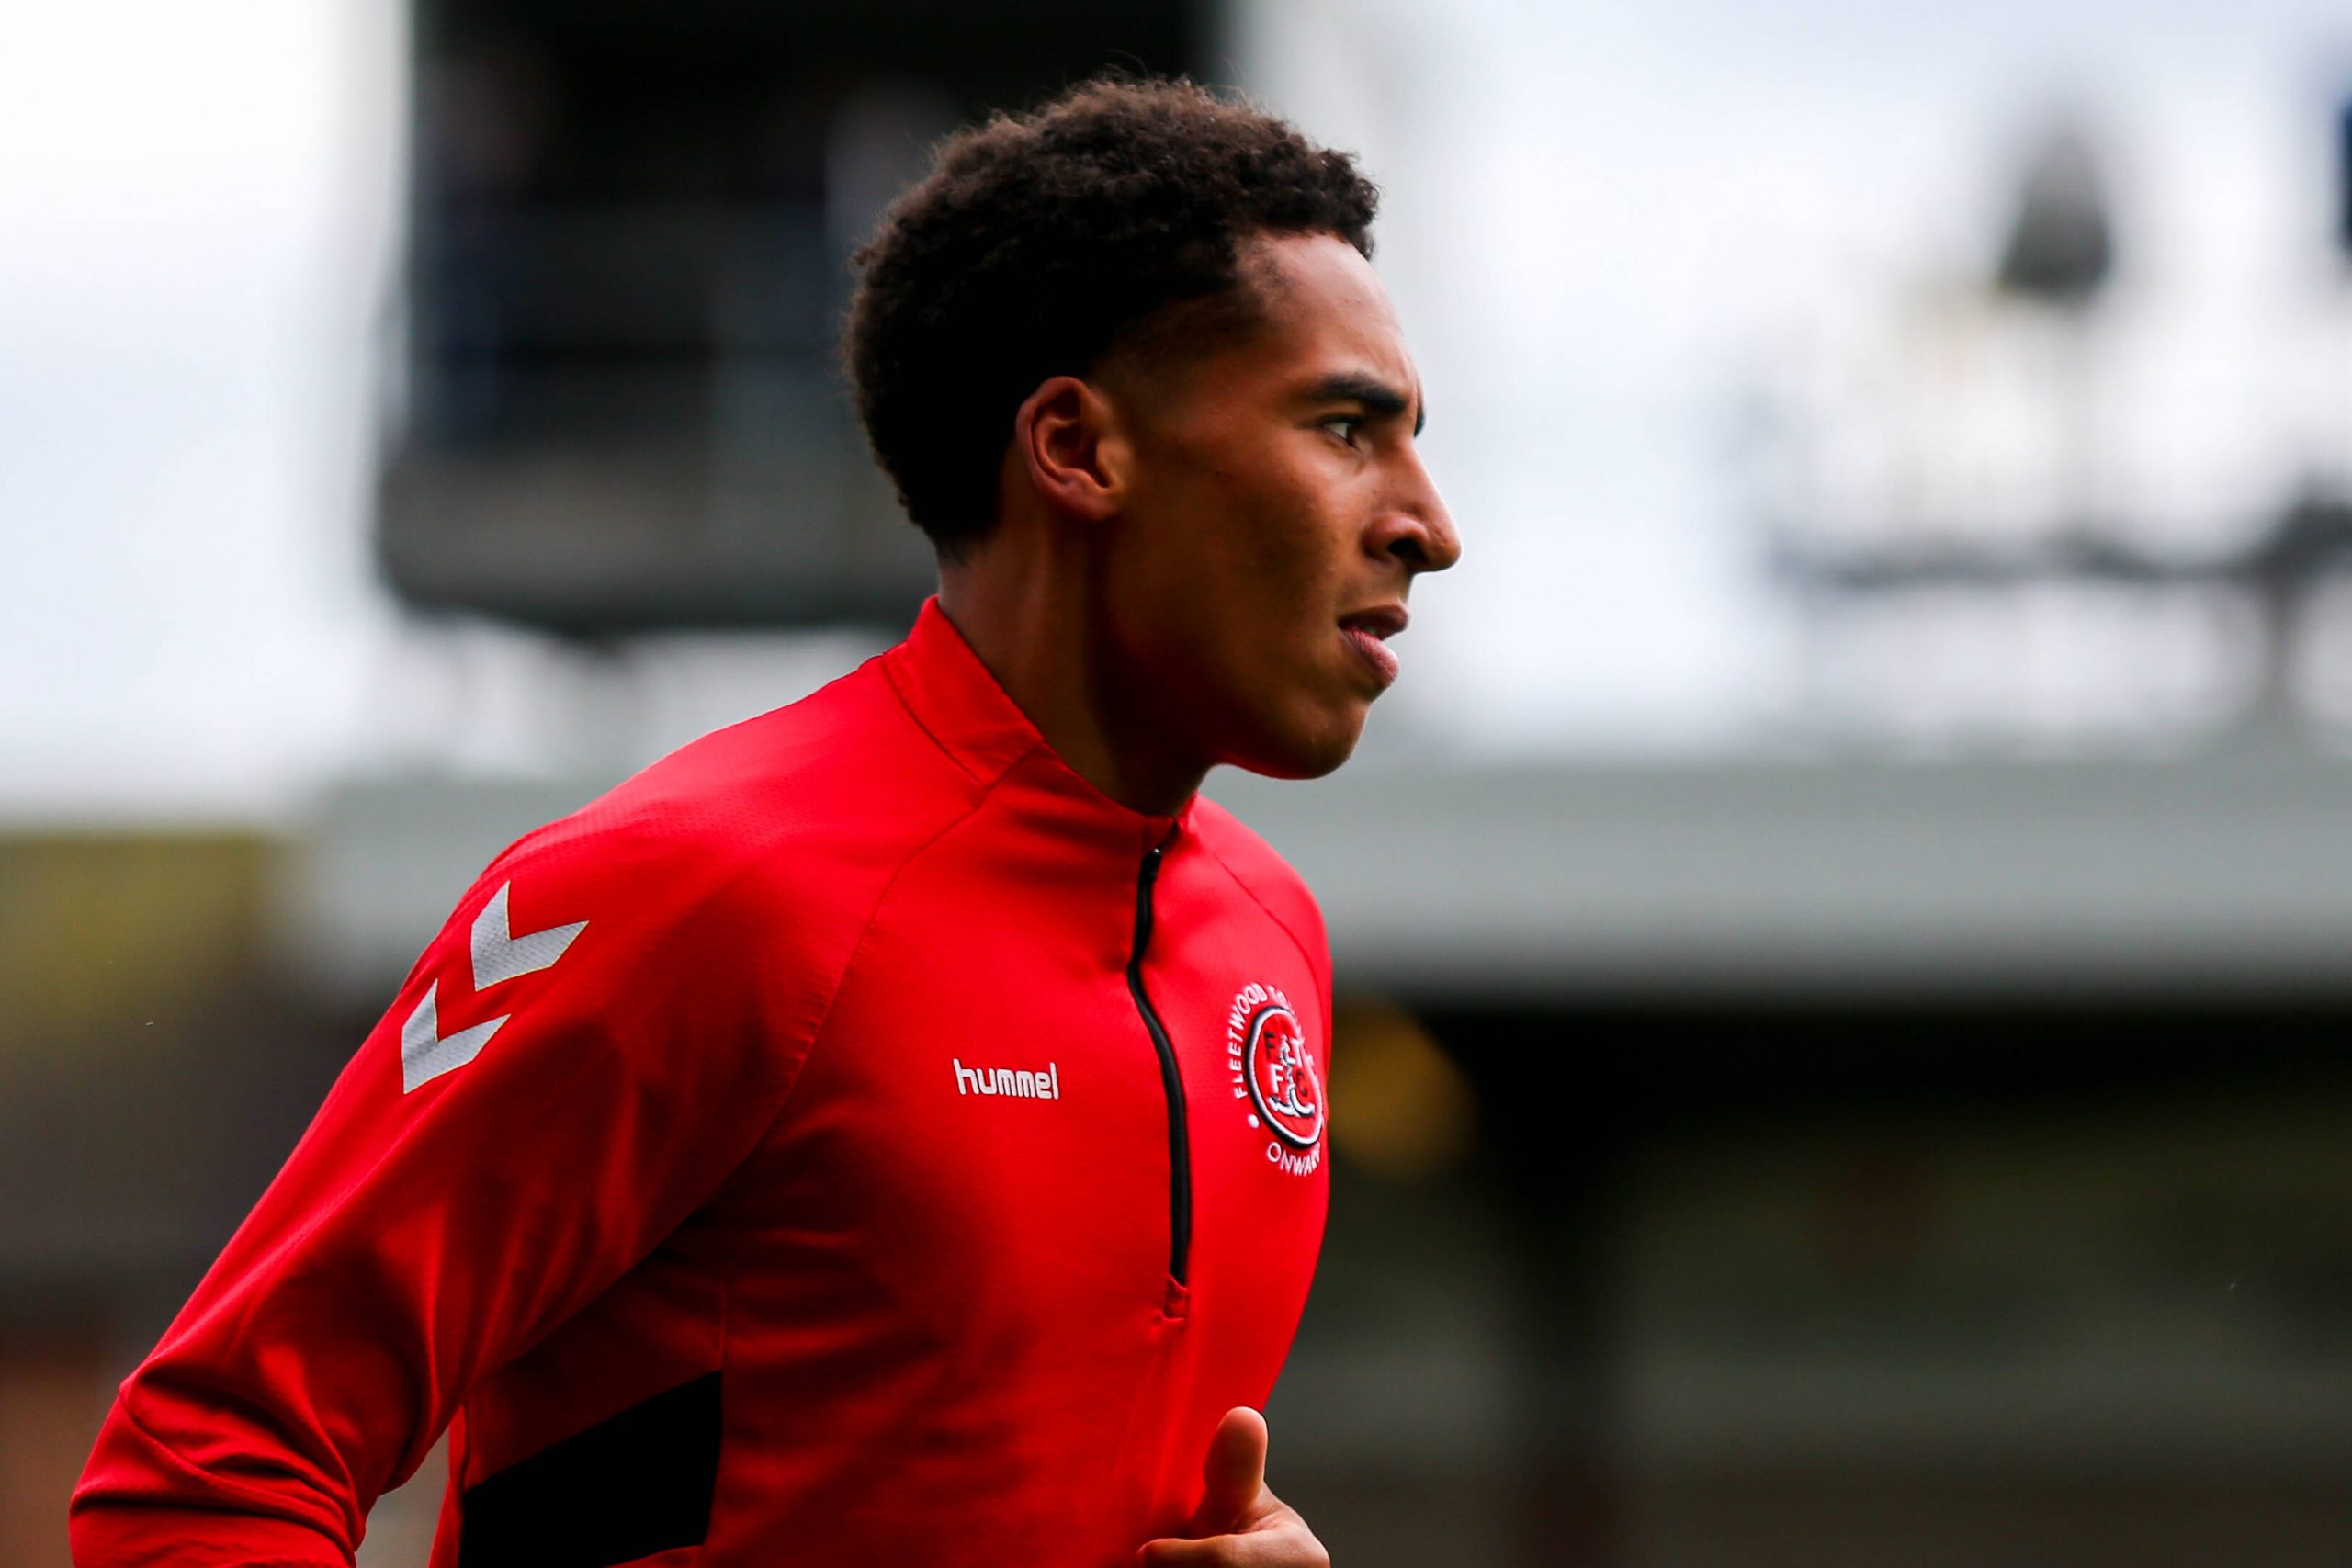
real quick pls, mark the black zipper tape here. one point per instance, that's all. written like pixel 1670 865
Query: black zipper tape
pixel 1172 1083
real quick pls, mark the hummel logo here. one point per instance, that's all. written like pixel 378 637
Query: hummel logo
pixel 1022 1084
pixel 427 1053
pixel 501 956
pixel 497 956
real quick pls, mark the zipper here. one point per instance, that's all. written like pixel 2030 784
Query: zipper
pixel 1172 1082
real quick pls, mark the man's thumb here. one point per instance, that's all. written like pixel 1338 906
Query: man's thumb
pixel 1235 1472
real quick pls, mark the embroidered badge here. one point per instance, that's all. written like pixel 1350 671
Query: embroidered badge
pixel 1274 1069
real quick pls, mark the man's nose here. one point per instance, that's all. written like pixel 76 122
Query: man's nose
pixel 1417 529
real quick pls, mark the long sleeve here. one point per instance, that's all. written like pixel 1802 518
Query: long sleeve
pixel 577 1060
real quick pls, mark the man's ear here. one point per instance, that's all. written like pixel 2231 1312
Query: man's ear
pixel 1069 439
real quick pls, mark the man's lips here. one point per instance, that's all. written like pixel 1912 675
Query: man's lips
pixel 1367 631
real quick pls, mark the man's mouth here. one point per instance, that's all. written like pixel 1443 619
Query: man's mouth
pixel 1367 632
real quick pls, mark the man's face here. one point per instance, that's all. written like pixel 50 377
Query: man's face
pixel 1277 515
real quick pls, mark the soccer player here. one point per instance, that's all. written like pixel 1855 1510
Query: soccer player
pixel 890 1130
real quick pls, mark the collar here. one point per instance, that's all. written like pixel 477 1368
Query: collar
pixel 957 702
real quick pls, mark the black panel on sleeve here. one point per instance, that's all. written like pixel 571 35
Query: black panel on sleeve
pixel 634 1483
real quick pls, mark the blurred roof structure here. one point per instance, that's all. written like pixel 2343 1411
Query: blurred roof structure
pixel 2206 874
pixel 627 271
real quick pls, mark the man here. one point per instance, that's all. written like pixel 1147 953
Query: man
pixel 890 1130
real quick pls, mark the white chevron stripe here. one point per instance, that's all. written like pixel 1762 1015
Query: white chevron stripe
pixel 500 955
pixel 427 1053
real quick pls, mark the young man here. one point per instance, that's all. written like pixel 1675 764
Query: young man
pixel 890 1130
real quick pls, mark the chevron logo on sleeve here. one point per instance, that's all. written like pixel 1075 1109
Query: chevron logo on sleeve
pixel 497 956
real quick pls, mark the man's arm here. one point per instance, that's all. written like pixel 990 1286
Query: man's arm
pixel 573 1066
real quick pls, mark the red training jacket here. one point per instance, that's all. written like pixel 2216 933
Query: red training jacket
pixel 855 1139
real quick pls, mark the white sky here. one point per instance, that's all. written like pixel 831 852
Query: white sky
pixel 194 203
pixel 1597 218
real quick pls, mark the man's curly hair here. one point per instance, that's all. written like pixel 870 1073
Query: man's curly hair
pixel 1041 242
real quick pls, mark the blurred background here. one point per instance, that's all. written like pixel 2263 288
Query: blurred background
pixel 1844 931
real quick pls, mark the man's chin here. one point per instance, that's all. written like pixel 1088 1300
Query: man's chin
pixel 1309 754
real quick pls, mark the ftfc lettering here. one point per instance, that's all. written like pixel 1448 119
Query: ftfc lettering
pixel 1274 1073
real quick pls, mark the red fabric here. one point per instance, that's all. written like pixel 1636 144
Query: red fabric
pixel 724 1129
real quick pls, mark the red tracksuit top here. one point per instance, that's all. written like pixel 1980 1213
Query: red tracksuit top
pixel 853 1140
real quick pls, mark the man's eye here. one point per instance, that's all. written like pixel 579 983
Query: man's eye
pixel 1344 426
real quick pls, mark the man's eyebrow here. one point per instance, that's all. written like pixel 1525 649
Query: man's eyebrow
pixel 1371 391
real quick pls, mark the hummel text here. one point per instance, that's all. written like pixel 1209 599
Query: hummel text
pixel 1021 1085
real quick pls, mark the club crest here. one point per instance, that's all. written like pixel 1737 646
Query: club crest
pixel 1274 1069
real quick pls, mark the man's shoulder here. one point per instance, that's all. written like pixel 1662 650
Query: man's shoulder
pixel 801 813
pixel 1262 870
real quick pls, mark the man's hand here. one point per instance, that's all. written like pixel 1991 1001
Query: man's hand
pixel 1239 1524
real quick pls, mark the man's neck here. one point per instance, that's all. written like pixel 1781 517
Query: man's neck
pixel 1041 635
